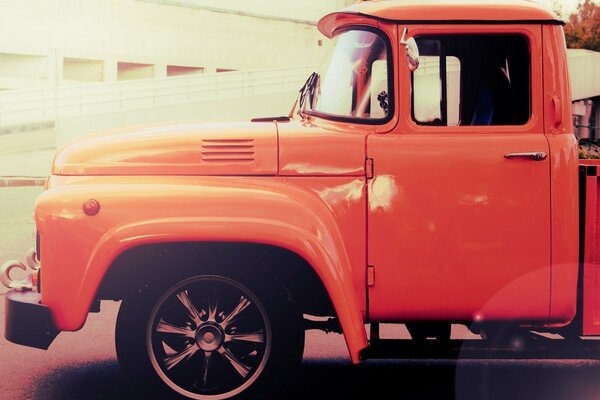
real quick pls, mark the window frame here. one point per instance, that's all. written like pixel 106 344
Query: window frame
pixel 391 82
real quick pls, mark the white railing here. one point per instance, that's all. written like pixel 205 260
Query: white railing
pixel 25 106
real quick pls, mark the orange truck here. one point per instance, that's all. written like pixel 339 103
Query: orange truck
pixel 427 175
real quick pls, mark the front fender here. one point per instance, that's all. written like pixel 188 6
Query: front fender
pixel 142 211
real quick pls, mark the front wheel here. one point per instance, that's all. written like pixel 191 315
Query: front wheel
pixel 210 337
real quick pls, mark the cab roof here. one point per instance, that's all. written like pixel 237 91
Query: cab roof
pixel 442 11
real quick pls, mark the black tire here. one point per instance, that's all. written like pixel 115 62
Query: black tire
pixel 212 336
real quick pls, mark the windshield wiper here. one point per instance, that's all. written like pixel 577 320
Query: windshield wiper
pixel 306 95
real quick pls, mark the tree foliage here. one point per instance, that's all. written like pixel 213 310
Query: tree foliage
pixel 582 30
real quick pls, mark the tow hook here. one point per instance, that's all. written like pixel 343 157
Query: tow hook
pixel 26 283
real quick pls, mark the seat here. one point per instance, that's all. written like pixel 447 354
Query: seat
pixel 484 108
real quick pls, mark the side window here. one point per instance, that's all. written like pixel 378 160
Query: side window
pixel 472 80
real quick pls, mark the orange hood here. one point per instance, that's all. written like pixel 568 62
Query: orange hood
pixel 181 149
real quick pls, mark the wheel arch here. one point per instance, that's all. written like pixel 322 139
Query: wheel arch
pixel 316 268
pixel 144 264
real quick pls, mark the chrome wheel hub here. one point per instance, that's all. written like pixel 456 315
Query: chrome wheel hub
pixel 209 337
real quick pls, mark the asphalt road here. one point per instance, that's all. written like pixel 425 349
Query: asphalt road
pixel 82 365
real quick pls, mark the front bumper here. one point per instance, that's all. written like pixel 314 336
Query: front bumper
pixel 27 322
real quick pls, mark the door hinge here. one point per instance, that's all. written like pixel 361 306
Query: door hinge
pixel 370 275
pixel 369 168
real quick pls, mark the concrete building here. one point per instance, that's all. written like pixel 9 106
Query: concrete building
pixel 584 72
pixel 61 42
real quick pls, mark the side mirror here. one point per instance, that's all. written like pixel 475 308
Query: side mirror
pixel 412 51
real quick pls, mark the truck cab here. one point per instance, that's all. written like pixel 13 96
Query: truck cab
pixel 466 155
pixel 427 176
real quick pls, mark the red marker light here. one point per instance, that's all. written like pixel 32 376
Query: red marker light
pixel 91 207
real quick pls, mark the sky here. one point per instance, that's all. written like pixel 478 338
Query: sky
pixel 568 6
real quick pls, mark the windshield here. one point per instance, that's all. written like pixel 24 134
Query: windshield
pixel 353 81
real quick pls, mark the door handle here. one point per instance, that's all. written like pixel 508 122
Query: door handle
pixel 534 155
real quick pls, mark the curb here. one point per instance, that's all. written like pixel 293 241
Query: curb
pixel 20 181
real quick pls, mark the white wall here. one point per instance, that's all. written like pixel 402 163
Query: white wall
pixel 39 118
pixel 310 10
pixel 584 73
pixel 208 34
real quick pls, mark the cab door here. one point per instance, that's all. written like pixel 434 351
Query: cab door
pixel 459 203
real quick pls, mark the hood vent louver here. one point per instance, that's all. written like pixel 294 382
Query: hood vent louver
pixel 227 150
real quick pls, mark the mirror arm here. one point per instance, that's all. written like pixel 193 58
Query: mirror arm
pixel 403 39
